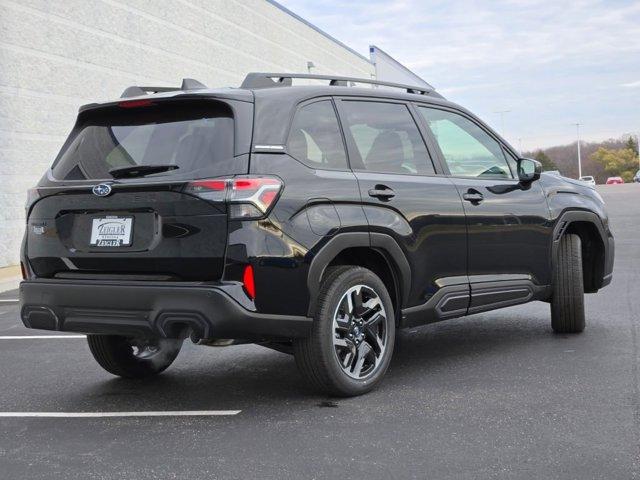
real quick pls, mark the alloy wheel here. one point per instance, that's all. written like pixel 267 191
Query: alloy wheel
pixel 360 332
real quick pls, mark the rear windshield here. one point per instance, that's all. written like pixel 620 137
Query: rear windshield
pixel 192 136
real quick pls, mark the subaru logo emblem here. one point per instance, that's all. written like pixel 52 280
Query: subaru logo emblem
pixel 102 190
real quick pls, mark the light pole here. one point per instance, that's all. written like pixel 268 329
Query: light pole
pixel 579 158
pixel 501 113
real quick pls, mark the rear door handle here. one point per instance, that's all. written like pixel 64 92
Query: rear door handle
pixel 382 192
pixel 473 196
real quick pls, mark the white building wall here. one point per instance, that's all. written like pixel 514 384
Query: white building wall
pixel 389 69
pixel 58 55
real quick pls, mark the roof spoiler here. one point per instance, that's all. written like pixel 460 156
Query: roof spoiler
pixel 187 84
pixel 256 80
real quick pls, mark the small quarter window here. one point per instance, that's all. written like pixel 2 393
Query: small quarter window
pixel 315 137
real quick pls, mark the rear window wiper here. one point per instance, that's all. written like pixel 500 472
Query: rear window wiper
pixel 140 170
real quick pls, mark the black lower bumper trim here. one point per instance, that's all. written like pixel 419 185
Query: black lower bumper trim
pixel 148 309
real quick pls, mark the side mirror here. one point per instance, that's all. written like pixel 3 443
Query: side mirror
pixel 529 170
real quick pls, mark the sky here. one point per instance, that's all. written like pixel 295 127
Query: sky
pixel 550 64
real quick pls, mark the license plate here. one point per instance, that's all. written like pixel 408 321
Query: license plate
pixel 111 231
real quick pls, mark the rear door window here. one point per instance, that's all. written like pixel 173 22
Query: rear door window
pixel 190 136
pixel 386 138
pixel 315 138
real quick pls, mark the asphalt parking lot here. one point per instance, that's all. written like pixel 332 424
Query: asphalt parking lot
pixel 496 395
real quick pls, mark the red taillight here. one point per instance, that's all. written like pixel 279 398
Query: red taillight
pixel 248 282
pixel 268 197
pixel 214 190
pixel 135 103
pixel 246 183
pixel 208 185
pixel 249 197
pixel 252 197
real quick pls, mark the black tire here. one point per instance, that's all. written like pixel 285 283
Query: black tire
pixel 567 303
pixel 133 358
pixel 316 356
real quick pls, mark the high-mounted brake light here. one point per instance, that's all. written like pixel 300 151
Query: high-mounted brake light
pixel 248 197
pixel 135 103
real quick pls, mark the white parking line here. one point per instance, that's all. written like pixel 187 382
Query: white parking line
pixel 9 300
pixel 187 413
pixel 38 337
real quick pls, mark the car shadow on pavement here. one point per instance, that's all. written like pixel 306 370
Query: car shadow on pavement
pixel 253 377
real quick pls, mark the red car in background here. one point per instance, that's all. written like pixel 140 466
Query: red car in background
pixel 614 180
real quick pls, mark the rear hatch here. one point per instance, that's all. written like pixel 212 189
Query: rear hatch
pixel 119 201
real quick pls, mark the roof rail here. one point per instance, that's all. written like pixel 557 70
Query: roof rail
pixel 187 84
pixel 268 80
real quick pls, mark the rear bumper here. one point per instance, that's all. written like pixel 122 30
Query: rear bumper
pixel 148 309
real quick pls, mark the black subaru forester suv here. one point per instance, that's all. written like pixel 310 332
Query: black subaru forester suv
pixel 311 219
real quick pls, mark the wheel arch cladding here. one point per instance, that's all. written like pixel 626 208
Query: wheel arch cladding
pixel 374 260
pixel 381 255
pixel 588 227
pixel 593 257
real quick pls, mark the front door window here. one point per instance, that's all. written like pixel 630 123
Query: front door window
pixel 468 150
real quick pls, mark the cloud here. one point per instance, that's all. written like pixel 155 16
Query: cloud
pixel 545 60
